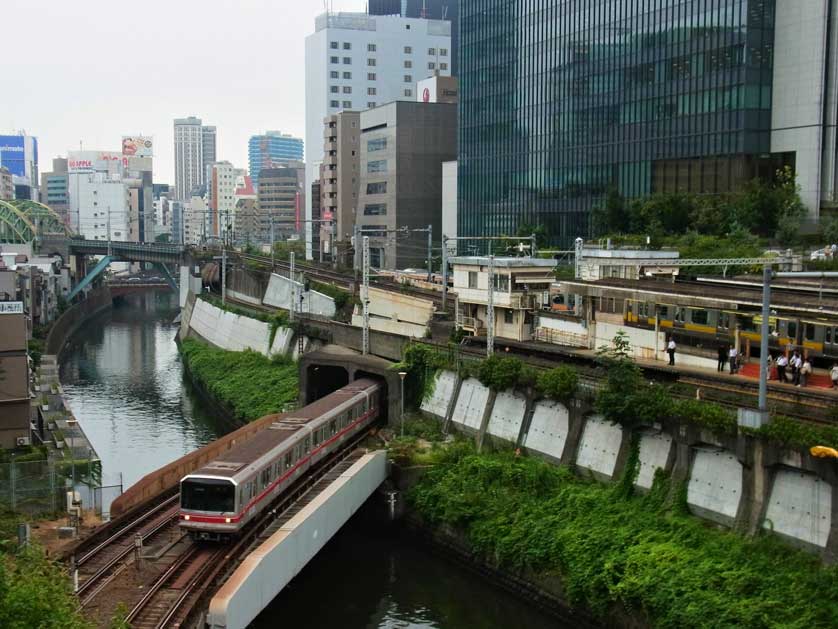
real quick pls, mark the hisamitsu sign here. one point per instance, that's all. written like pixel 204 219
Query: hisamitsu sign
pixel 11 307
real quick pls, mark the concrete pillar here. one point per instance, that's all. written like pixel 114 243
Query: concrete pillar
pixel 745 513
pixel 763 480
pixel 575 425
pixel 529 410
pixel 484 422
pixel 184 285
pixel 830 554
pixel 452 404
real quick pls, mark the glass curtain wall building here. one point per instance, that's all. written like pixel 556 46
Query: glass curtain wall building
pixel 271 150
pixel 561 100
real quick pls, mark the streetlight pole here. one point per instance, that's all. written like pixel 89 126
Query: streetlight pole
pixel 402 375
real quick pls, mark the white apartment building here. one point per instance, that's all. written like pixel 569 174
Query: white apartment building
pixel 103 203
pixel 221 197
pixel 359 61
pixel 194 221
pixel 194 150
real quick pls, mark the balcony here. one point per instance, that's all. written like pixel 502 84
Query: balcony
pixel 330 145
pixel 328 188
pixel 330 160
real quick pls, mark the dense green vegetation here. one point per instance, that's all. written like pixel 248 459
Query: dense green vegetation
pixel 34 592
pixel 613 549
pixel 250 384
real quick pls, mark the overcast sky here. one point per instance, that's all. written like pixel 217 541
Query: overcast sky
pixel 95 70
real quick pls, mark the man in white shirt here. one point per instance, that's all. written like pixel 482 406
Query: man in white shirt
pixel 782 363
pixel 796 363
pixel 732 359
pixel 670 349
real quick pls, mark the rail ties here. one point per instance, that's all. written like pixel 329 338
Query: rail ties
pixel 164 599
pixel 101 563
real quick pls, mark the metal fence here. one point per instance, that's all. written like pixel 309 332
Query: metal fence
pixel 39 487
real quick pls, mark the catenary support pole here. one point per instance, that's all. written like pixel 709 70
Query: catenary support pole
pixel 293 287
pixel 365 297
pixel 430 252
pixel 763 349
pixel 444 271
pixel 224 275
pixel 490 309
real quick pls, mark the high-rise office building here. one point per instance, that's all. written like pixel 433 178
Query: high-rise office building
pixel 194 151
pixel 281 199
pixel 55 188
pixel 693 96
pixel 429 9
pixel 272 149
pixel 358 61
pixel 403 147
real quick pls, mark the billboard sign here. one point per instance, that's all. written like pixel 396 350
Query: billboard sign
pixel 13 154
pixel 91 161
pixel 137 146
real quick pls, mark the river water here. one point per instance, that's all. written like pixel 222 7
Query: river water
pixel 124 381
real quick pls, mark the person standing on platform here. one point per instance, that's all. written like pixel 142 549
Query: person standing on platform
pixel 795 363
pixel 670 349
pixel 731 357
pixel 722 353
pixel 805 370
pixel 782 363
pixel 833 375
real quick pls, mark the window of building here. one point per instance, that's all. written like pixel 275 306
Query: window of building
pixel 443 52
pixel 502 282
pixel 432 52
pixel 370 47
pixel 333 45
pixel 347 75
pixel 375 209
pixel 472 279
pixel 347 61
pixel 443 66
pixel 508 315
pixel 347 89
pixel 408 93
pixel 371 105
pixel 371 62
pixel 408 63
pixel 376 254
pixel 370 91
pixel 347 104
pixel 374 231
pixel 334 74
pixel 347 45
pixel 334 89
pixel 370 76
pixel 431 65
pixel 334 59
pixel 408 50
pixel 378 187
pixel 377 166
pixel 408 78
pixel 376 144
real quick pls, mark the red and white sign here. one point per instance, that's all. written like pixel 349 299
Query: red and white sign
pixel 426 95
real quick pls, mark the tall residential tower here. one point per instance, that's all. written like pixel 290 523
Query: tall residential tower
pixel 194 151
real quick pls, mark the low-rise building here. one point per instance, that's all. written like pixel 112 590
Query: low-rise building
pixel 597 263
pixel 14 365
pixel 519 291
pixel 7 186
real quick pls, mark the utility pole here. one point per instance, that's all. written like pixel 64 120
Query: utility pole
pixel 109 230
pixel 430 253
pixel 272 243
pixel 444 270
pixel 332 245
pixel 490 309
pixel 763 348
pixel 223 274
pixel 356 244
pixel 365 297
pixel 293 287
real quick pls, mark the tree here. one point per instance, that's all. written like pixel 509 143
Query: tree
pixel 829 229
pixel 612 217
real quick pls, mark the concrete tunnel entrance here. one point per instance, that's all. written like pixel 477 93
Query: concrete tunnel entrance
pixel 323 380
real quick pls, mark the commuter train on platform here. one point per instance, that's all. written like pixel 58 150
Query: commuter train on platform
pixel 218 500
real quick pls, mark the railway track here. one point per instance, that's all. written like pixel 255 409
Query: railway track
pixel 99 565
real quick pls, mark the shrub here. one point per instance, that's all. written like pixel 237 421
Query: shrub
pixel 499 373
pixel 559 383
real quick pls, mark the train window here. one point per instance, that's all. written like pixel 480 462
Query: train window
pixel 810 331
pixel 792 329
pixel 288 460
pixel 307 445
pixel 663 311
pixel 207 494
pixel 266 477
pixel 724 320
pixel 828 335
pixel 333 427
pixel 699 317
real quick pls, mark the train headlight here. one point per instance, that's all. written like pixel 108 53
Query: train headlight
pixel 227 520
pixel 186 517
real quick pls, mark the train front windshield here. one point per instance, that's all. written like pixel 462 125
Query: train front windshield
pixel 208 494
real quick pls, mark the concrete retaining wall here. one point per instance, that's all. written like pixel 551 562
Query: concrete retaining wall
pixel 229 331
pixel 599 448
pixel 72 318
pixel 278 295
pixel 549 429
pixel 437 402
pixel 800 507
pixel 715 487
pixel 471 405
pixel 507 415
pixel 655 453
pixel 268 569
